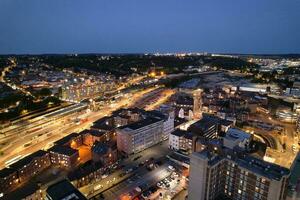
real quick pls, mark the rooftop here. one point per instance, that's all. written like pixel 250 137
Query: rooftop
pixel 64 150
pixel 27 160
pixel 84 170
pixel 64 190
pixel 93 132
pixel 179 133
pixel 6 172
pixel 253 164
pixel 235 134
pixel 66 139
pixel 102 126
pixel 22 192
pixel 141 124
pixel 100 148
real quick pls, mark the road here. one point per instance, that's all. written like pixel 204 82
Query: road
pixel 283 157
pixel 155 152
pixel 13 142
pixel 126 188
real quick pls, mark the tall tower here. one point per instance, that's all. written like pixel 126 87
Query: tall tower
pixel 197 108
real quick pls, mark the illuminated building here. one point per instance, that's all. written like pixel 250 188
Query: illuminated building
pixel 79 91
pixel 24 169
pixel 197 107
pixel 286 115
pixel 210 127
pixel 184 106
pixel 140 135
pixel 223 173
pixel 8 179
pixel 181 140
pixel 64 156
pixel 105 153
pixel 31 165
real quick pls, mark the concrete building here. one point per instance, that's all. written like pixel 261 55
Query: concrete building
pixel 181 140
pixel 31 165
pixel 210 127
pixel 89 137
pixel 140 135
pixel 105 153
pixel 222 173
pixel 168 126
pixel 235 137
pixel 77 92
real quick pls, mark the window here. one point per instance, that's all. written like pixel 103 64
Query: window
pixel 240 191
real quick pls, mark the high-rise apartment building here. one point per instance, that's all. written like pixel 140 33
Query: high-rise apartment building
pixel 223 173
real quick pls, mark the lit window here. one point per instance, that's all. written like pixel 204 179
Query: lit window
pixel 240 191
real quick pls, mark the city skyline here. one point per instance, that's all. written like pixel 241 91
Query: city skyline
pixel 149 100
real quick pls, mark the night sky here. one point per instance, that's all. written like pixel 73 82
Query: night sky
pixel 138 26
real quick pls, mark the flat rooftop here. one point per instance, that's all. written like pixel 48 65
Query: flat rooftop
pixel 252 164
pixel 26 160
pixel 64 150
pixel 64 190
pixel 141 124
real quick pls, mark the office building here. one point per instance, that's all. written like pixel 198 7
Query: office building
pixel 210 127
pixel 140 135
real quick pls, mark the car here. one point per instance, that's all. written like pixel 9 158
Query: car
pixel 138 189
pixel 136 158
pixel 171 167
pixel 122 174
pixel 104 176
pixel 130 181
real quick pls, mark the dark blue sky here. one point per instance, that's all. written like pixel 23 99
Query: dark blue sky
pixel 120 26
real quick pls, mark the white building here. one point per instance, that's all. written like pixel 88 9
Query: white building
pixel 235 137
pixel 168 125
pixel 140 135
pixel 180 140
